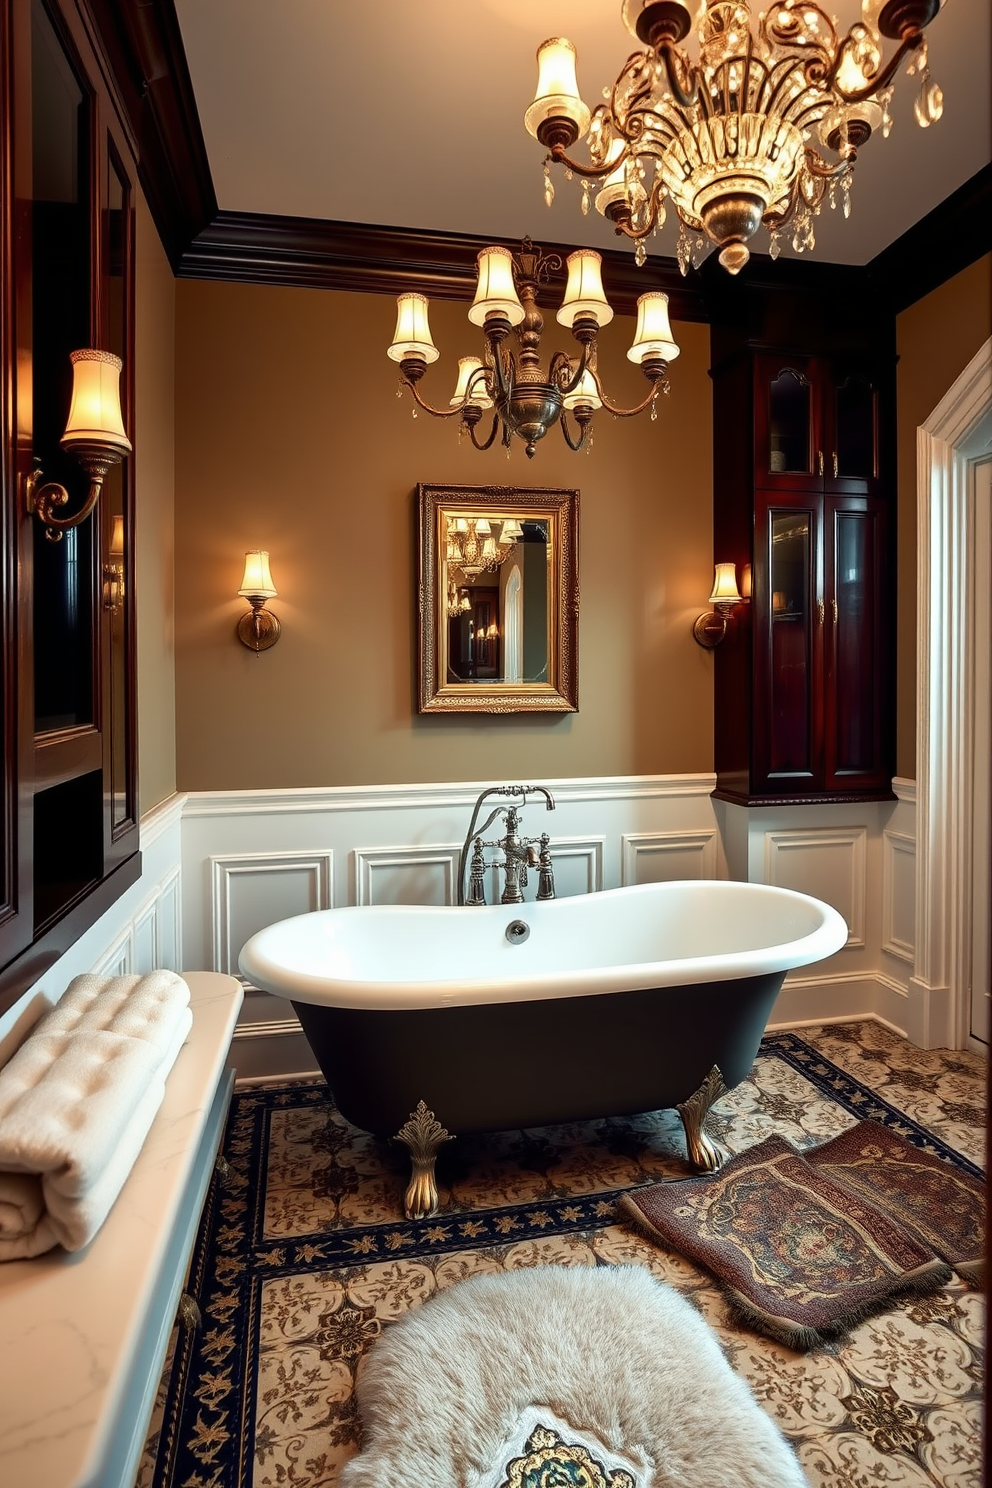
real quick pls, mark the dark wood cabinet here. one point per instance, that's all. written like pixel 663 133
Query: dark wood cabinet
pixel 816 424
pixel 69 812
pixel 804 678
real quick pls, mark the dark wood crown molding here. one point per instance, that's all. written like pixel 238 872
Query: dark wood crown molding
pixel 954 235
pixel 145 60
pixel 312 253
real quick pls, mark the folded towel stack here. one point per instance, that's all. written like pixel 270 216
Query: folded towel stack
pixel 76 1103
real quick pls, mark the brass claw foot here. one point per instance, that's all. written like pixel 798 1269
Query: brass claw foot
pixel 425 1136
pixel 705 1155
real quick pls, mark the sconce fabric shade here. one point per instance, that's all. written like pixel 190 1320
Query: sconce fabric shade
pixel 586 393
pixel 117 538
pixel 95 409
pixel 653 337
pixel 557 93
pixel 725 585
pixel 257 582
pixel 470 368
pixel 495 291
pixel 412 336
pixel 584 292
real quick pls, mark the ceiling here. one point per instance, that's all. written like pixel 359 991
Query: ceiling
pixel 410 115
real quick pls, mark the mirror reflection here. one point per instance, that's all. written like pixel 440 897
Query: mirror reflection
pixel 498 599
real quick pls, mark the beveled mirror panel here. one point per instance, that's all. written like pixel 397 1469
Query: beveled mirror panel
pixel 498 598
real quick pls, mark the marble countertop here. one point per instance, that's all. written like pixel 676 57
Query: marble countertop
pixel 69 1324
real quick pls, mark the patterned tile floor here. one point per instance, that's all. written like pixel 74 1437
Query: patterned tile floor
pixel 896 1405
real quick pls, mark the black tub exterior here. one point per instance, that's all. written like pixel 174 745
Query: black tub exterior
pixel 494 1066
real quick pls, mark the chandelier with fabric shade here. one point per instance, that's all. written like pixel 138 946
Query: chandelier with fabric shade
pixel 525 397
pixel 760 129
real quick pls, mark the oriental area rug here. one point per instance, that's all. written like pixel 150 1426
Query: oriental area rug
pixel 304 1259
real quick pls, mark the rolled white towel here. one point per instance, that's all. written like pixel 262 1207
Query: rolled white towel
pixel 76 1103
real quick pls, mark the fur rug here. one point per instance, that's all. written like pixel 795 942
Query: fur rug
pixel 621 1358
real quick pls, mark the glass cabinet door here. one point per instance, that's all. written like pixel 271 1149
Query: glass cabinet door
pixel 786 622
pixel 854 443
pixel 787 442
pixel 856 709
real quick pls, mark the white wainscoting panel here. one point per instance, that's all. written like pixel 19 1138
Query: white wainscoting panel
pixel 144 947
pixel 117 959
pixel 577 864
pixel 170 922
pixel 899 895
pixel 829 863
pixel 663 857
pixel 406 875
pixel 250 892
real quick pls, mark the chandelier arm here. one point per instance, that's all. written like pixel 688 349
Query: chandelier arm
pixel 668 53
pixel 561 360
pixel 638 234
pixel 574 444
pixel 781 26
pixel 486 444
pixel 435 412
pixel 819 167
pixel 881 80
pixel 591 172
pixel 658 385
pixel 502 373
pixel 782 73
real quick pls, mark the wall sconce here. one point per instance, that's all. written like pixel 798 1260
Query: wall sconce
pixel 711 627
pixel 113 572
pixel 258 628
pixel 94 433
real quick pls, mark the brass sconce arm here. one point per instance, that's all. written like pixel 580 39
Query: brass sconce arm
pixel 46 499
pixel 94 433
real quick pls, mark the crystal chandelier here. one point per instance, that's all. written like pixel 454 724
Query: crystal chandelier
pixel 735 139
pixel 525 398
pixel 475 546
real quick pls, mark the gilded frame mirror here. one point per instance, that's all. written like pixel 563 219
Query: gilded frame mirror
pixel 498 599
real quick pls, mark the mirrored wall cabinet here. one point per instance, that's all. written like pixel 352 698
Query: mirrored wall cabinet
pixel 803 472
pixel 69 812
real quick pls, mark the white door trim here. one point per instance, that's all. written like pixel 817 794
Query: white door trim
pixel 939 1002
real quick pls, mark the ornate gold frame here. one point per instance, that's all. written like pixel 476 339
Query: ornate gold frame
pixel 559 509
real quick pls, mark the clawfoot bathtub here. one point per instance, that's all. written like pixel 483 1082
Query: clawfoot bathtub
pixel 428 1021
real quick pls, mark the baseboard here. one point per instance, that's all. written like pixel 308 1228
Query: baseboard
pixel 275 1049
pixel 807 1001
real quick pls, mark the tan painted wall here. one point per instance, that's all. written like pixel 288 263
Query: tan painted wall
pixel 936 339
pixel 155 483
pixel 290 437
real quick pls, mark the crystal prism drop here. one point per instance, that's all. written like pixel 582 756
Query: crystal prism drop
pixel 585 198
pixel 682 250
pixel 568 174
pixel 640 253
pixel 846 193
pixel 414 411
pixel 774 247
pixel 549 185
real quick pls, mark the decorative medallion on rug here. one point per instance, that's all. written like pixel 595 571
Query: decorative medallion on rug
pixel 304 1261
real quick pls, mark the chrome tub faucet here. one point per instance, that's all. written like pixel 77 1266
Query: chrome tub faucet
pixel 518 853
